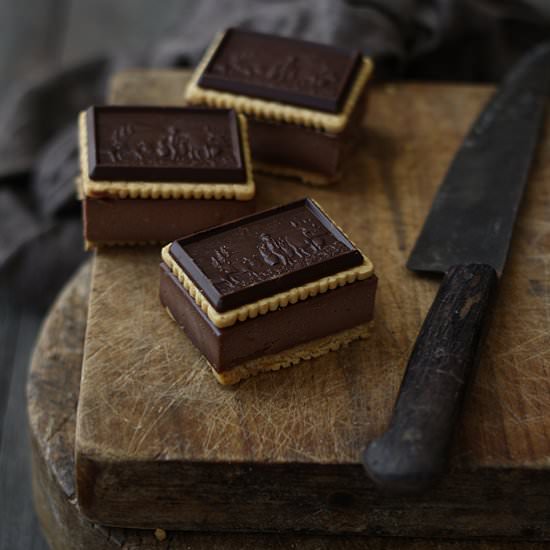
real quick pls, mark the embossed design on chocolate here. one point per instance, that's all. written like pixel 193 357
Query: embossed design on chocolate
pixel 290 71
pixel 164 144
pixel 265 253
pixel 171 144
pixel 304 73
pixel 305 243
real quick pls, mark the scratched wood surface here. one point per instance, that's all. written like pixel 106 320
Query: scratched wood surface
pixel 53 392
pixel 160 443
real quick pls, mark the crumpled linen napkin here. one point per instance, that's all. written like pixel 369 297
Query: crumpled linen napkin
pixel 40 240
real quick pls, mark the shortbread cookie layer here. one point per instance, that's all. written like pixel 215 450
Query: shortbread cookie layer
pixel 293 356
pixel 91 245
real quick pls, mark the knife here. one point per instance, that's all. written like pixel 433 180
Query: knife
pixel 466 237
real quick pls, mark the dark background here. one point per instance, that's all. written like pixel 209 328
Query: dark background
pixel 56 57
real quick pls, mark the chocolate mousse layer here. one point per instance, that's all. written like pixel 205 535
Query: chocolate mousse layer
pixel 275 145
pixel 155 220
pixel 316 317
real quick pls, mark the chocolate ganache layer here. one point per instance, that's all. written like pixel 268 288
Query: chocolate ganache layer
pixel 155 220
pixel 314 151
pixel 319 316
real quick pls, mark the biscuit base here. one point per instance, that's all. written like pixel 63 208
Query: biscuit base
pixel 293 356
pixel 92 245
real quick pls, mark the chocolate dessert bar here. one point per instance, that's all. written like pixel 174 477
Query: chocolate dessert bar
pixel 269 290
pixel 153 174
pixel 305 100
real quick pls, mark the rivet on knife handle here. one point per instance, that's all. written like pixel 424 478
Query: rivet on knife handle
pixel 414 452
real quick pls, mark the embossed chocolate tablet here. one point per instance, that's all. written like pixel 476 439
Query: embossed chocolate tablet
pixel 286 70
pixel 264 254
pixel 164 144
pixel 305 101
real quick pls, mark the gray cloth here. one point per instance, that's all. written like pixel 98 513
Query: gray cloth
pixel 438 39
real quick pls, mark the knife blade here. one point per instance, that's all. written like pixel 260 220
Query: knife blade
pixel 466 236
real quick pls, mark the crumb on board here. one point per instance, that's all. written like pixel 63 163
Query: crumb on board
pixel 160 534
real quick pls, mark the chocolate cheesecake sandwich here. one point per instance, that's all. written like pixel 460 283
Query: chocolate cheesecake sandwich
pixel 268 290
pixel 305 101
pixel 153 174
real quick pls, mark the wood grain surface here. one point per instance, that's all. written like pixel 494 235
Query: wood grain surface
pixel 53 391
pixel 160 443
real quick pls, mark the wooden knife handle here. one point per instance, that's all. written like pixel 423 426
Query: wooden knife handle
pixel 414 451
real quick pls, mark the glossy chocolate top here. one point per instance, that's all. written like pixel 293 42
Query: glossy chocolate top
pixel 281 69
pixel 260 255
pixel 165 144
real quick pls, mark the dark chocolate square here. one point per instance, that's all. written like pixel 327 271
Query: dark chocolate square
pixel 263 254
pixel 164 144
pixel 297 72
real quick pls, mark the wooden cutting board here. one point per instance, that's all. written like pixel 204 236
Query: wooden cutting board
pixel 53 391
pixel 160 443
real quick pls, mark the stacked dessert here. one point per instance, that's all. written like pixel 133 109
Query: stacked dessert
pixel 305 101
pixel 152 174
pixel 260 291
pixel 268 290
